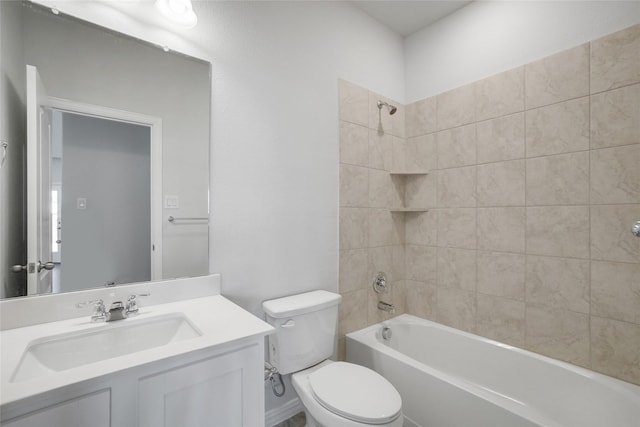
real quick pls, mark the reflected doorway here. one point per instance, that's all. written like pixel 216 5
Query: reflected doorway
pixel 100 201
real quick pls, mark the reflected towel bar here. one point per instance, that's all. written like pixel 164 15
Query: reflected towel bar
pixel 174 220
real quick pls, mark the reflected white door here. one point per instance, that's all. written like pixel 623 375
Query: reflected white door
pixel 38 185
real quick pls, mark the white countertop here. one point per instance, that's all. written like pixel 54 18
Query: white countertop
pixel 219 320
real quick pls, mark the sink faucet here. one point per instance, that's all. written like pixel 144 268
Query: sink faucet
pixel 117 311
pixel 99 313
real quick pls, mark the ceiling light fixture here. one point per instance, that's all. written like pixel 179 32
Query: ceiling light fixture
pixel 178 11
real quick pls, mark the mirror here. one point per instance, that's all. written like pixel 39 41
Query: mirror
pixel 127 158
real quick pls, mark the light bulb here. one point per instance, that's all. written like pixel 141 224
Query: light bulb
pixel 178 11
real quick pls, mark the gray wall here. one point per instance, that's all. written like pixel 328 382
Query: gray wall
pixel 107 163
pixel 12 118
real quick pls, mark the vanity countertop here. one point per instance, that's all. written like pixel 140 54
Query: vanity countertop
pixel 220 322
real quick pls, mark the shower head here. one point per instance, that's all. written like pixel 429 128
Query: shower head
pixel 392 108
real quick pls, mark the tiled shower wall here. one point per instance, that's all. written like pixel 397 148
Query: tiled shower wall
pixel 534 184
pixel 371 238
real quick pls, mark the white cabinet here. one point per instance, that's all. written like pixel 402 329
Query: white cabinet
pixel 92 409
pixel 221 386
pixel 211 392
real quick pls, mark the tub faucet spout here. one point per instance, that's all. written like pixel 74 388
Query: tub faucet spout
pixel 385 306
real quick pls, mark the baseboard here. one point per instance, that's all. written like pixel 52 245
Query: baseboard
pixel 283 412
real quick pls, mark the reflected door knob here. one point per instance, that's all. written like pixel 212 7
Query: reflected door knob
pixel 46 266
pixel 635 229
pixel 18 268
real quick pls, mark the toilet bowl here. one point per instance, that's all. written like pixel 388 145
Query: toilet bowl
pixel 340 394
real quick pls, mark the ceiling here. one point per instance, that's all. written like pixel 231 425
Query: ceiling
pixel 407 17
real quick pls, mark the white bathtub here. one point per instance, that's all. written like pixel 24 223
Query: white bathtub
pixel 447 377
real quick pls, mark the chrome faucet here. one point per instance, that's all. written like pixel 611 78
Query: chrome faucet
pixel 385 306
pixel 99 312
pixel 117 311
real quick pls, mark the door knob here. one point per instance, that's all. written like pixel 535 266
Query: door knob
pixel 46 266
pixel 635 229
pixel 18 268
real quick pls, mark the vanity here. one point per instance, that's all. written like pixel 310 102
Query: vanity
pixel 188 357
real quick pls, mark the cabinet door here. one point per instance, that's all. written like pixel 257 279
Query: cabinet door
pixel 88 410
pixel 218 391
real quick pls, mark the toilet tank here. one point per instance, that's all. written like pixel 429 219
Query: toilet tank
pixel 305 326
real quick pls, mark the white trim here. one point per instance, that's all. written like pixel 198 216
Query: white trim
pixel 283 412
pixel 155 123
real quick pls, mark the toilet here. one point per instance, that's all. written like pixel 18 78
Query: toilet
pixel 334 394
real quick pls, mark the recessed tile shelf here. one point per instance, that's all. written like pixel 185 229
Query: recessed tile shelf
pixel 403 174
pixel 408 210
pixel 408 173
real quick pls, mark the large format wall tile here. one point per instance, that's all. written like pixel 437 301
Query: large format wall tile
pixel 501 274
pixel 384 228
pixel 457 228
pixel 457 147
pixel 501 319
pixel 421 117
pixel 354 186
pixel 421 299
pixel 558 180
pixel 615 60
pixel 354 228
pixel 558 231
pixel 615 348
pixel 557 78
pixel 354 103
pixel 558 128
pixel 380 150
pixel 380 189
pixel 456 107
pixel 615 175
pixel 421 228
pixel 500 95
pixel 558 333
pixel 558 282
pixel 457 268
pixel 354 144
pixel 420 191
pixel 610 236
pixel 615 290
pixel 615 117
pixel 457 308
pixel 501 184
pixel 421 263
pixel 501 229
pixel 501 139
pixel 353 314
pixel 353 270
pixel 457 187
pixel 421 153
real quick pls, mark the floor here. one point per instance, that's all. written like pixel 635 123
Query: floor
pixel 298 420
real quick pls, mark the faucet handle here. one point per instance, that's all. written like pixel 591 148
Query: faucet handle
pixel 132 303
pixel 99 311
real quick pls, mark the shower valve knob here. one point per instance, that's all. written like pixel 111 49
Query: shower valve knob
pixel 635 229
pixel 380 283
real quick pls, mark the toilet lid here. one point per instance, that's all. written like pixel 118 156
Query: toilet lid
pixel 356 393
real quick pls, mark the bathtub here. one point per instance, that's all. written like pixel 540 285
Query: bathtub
pixel 448 377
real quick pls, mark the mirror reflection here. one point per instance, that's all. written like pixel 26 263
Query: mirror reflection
pixel 107 139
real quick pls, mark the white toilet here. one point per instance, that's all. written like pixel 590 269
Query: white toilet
pixel 334 394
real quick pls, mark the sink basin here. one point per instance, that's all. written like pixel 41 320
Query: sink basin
pixel 65 351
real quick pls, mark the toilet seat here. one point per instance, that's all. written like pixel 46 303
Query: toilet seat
pixel 356 393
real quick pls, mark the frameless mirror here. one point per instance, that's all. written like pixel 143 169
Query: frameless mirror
pixel 105 156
